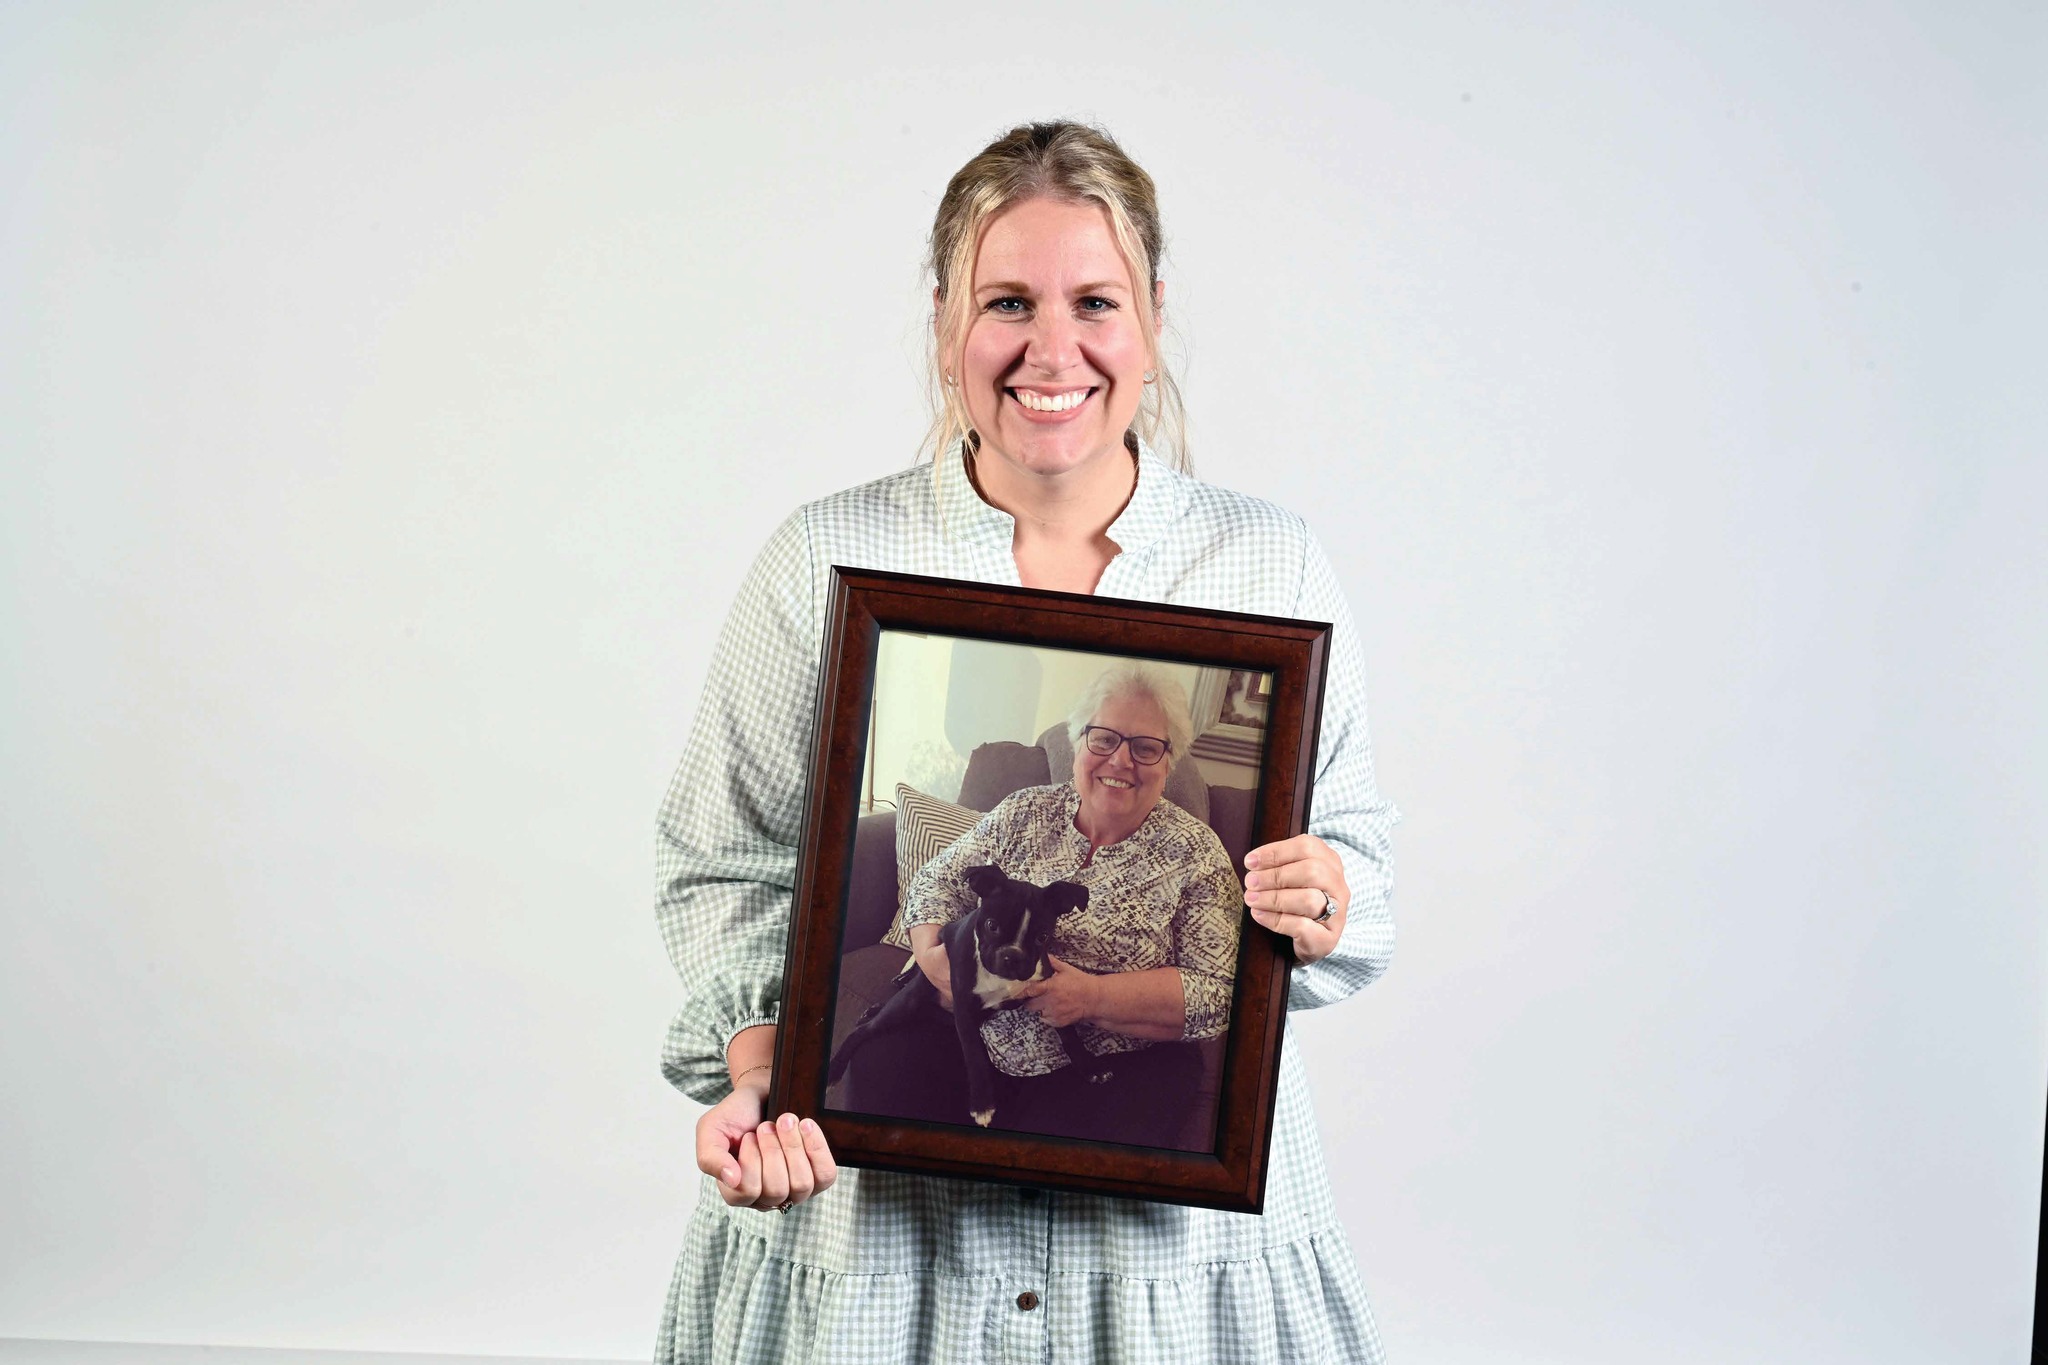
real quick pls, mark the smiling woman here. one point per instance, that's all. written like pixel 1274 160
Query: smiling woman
pixel 1051 401
pixel 1047 312
pixel 1055 359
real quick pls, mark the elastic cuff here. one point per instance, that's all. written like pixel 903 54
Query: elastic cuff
pixel 725 1048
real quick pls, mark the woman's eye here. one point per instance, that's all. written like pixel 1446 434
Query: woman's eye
pixel 1096 304
pixel 1009 304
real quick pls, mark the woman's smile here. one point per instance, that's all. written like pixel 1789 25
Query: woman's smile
pixel 1042 406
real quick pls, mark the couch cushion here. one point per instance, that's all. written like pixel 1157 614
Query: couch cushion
pixel 925 825
pixel 1230 815
pixel 871 894
pixel 995 770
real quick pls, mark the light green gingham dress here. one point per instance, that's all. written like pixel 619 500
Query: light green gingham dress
pixel 885 1269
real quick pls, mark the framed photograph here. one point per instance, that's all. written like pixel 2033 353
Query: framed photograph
pixel 1018 945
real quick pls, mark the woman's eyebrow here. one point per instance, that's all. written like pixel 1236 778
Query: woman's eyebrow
pixel 1018 287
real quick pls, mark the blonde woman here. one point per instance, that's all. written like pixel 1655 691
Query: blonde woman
pixel 1052 401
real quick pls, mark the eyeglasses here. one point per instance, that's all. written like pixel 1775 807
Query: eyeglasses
pixel 1103 741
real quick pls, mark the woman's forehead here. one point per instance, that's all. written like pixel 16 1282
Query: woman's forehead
pixel 1050 235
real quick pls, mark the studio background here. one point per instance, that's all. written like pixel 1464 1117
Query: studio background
pixel 395 396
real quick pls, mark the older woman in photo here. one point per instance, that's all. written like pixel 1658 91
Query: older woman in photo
pixel 1143 970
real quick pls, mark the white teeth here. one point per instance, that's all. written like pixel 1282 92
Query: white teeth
pixel 1039 402
pixel 1112 782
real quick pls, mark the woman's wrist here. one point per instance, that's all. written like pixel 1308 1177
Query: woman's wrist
pixel 1095 1002
pixel 1149 1004
pixel 750 1057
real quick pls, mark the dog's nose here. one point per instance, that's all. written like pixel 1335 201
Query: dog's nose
pixel 1009 962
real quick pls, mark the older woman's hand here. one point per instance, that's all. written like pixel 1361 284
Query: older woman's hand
pixel 1285 885
pixel 1066 997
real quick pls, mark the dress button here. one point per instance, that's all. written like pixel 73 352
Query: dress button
pixel 1027 1301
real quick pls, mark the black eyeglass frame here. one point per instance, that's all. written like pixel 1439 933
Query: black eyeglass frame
pixel 1165 745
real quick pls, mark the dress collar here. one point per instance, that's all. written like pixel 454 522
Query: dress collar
pixel 1160 498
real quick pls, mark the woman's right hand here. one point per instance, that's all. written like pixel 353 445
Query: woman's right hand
pixel 761 1165
pixel 932 960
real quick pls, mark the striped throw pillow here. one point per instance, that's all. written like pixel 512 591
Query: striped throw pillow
pixel 925 825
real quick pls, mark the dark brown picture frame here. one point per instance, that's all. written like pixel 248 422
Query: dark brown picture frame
pixel 1231 1175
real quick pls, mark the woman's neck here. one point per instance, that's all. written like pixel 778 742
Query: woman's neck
pixel 1062 521
pixel 1103 836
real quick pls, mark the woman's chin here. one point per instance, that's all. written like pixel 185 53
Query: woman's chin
pixel 1117 801
pixel 1051 453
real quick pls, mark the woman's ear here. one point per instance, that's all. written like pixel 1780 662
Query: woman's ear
pixel 1158 306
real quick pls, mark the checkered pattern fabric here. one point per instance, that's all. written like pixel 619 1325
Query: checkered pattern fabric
pixel 888 1268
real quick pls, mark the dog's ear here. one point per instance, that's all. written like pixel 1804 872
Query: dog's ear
pixel 983 880
pixel 1065 896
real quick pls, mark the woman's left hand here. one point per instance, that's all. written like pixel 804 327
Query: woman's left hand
pixel 1066 997
pixel 1285 885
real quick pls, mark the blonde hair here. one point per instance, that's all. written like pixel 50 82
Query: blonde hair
pixel 1077 164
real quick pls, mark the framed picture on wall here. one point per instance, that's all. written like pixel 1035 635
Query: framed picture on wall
pixel 1018 946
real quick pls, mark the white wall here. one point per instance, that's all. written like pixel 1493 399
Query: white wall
pixel 905 728
pixel 394 395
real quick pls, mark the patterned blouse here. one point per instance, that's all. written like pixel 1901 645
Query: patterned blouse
pixel 1166 896
pixel 886 1268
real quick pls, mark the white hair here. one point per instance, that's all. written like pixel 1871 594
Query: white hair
pixel 1137 680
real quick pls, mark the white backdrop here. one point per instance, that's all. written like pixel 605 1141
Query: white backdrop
pixel 394 394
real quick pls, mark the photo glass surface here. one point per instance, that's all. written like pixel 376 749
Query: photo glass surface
pixel 988 766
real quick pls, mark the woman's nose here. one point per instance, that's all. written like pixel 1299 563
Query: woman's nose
pixel 1055 343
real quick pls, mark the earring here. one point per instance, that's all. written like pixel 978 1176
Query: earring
pixel 1151 375
pixel 949 379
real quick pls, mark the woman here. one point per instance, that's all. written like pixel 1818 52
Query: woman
pixel 1047 313
pixel 1146 964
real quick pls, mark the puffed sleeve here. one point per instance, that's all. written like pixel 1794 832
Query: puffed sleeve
pixel 939 893
pixel 1205 929
pixel 1346 811
pixel 726 846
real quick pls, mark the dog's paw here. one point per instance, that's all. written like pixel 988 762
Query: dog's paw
pixel 984 1117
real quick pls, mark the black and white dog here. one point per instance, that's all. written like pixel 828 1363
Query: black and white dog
pixel 993 949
